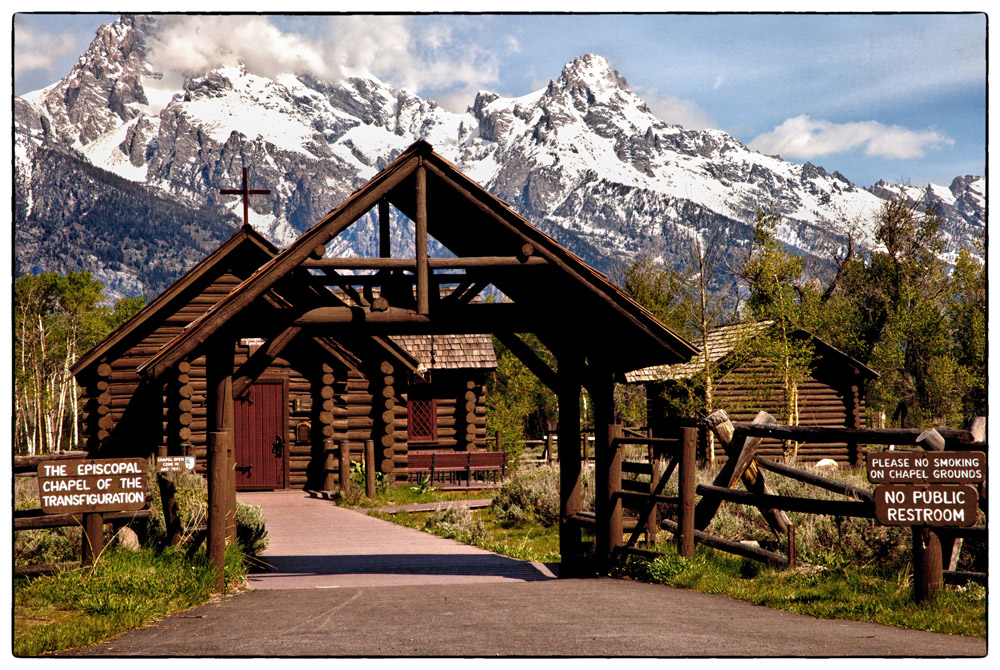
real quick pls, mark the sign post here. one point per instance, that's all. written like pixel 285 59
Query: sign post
pixel 924 490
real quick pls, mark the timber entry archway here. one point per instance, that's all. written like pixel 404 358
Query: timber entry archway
pixel 594 330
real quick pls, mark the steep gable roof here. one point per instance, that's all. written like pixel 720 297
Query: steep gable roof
pixel 467 220
pixel 245 240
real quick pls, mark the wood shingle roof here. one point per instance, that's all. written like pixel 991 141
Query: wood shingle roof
pixel 721 342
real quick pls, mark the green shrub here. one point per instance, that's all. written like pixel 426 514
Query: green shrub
pixel 457 523
pixel 191 494
pixel 250 529
pixel 535 494
pixel 358 478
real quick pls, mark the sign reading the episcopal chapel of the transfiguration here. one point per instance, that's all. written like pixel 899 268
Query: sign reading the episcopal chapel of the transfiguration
pixel 92 485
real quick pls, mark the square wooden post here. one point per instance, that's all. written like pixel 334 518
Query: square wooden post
pixel 221 419
pixel 607 471
pixel 420 228
pixel 93 537
pixel 570 484
pixel 687 480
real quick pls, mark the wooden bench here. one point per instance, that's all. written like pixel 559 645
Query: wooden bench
pixel 450 463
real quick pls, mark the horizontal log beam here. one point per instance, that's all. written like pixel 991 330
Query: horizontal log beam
pixel 462 263
pixel 728 546
pixel 816 480
pixel 852 435
pixel 30 463
pixel 475 318
pixel 34 519
pixel 865 510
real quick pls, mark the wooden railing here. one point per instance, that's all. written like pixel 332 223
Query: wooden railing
pixel 740 440
pixel 664 456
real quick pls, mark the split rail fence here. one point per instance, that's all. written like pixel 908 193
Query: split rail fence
pixel 741 440
pixel 92 542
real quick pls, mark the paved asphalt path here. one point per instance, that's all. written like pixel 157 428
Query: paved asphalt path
pixel 344 584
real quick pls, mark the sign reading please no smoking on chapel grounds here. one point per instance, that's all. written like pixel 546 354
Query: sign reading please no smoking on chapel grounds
pixel 92 485
pixel 921 488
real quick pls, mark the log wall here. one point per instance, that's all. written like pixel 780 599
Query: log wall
pixel 831 397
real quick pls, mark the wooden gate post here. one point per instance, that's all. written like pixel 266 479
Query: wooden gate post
pixel 93 537
pixel 607 471
pixel 221 419
pixel 687 480
pixel 569 466
pixel 927 575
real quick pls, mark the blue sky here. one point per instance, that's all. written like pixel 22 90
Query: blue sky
pixel 895 97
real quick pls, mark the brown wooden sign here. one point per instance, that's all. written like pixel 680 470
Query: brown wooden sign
pixel 946 467
pixel 926 505
pixel 92 485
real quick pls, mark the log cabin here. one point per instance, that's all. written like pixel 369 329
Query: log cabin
pixel 314 392
pixel 832 395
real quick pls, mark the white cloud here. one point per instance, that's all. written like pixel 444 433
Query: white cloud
pixel 442 55
pixel 193 44
pixel 678 111
pixel 35 50
pixel 718 82
pixel 806 138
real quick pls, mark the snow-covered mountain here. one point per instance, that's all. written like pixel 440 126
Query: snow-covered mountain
pixel 583 158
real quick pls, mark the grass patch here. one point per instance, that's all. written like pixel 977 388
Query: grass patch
pixel 405 495
pixel 124 590
pixel 868 593
pixel 528 541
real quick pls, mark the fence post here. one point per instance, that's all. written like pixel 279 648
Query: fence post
pixel 93 537
pixel 927 575
pixel 370 468
pixel 792 557
pixel 345 467
pixel 171 519
pixel 548 446
pixel 685 490
pixel 656 468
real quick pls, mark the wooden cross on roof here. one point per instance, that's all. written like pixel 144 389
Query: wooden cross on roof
pixel 246 193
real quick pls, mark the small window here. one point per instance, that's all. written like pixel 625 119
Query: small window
pixel 421 424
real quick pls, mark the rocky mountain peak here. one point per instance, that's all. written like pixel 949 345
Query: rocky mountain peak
pixel 103 88
pixel 592 73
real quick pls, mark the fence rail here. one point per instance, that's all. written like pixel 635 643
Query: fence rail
pixel 741 439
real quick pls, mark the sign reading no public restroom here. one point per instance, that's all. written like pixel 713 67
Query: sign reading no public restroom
pixel 92 485
pixel 916 505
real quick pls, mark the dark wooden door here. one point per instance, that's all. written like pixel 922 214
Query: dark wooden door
pixel 260 437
